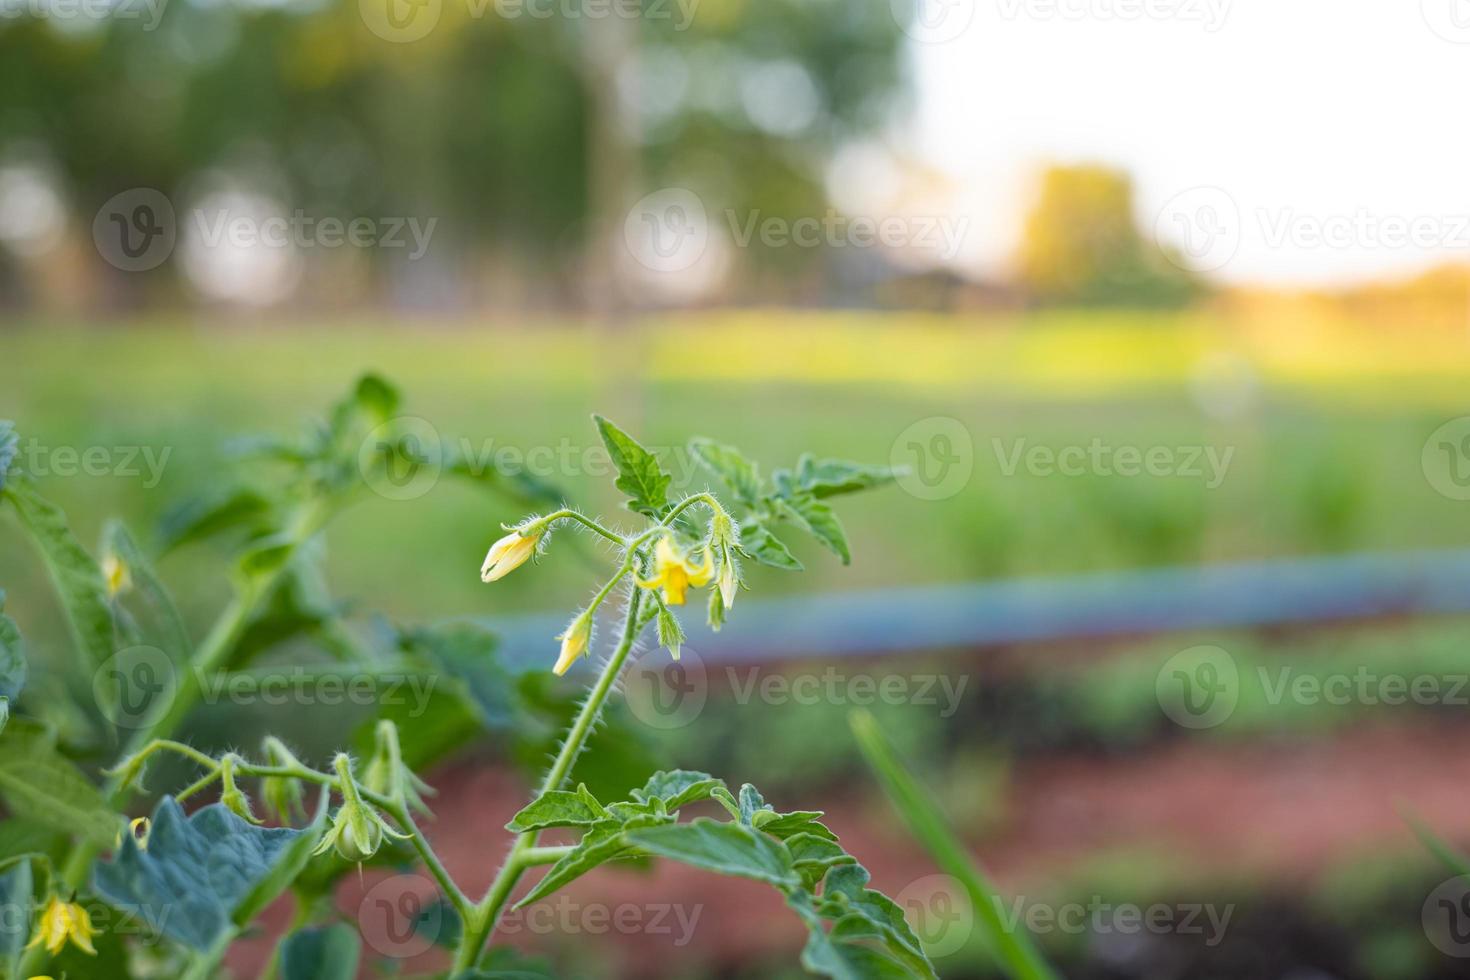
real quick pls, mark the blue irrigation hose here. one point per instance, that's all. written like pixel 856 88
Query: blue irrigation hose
pixel 1043 610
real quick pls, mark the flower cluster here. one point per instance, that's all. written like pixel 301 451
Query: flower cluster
pixel 658 561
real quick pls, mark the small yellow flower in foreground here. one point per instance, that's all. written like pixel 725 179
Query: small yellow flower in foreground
pixel 61 921
pixel 508 554
pixel 115 575
pixel 675 573
pixel 573 642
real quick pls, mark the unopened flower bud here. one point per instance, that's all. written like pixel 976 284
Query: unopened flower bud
pixel 510 553
pixel 574 641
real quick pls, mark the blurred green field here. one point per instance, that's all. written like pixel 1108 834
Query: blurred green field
pixel 1325 445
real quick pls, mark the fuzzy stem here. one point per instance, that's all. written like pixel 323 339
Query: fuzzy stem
pixel 480 925
pixel 568 514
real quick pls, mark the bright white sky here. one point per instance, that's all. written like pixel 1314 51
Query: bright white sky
pixel 1341 116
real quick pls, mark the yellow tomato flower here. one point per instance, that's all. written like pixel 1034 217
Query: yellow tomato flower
pixel 573 642
pixel 674 573
pixel 508 554
pixel 61 921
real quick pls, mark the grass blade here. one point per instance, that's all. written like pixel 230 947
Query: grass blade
pixel 1013 949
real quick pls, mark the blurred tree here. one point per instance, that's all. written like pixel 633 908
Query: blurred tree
pixel 1082 246
pixel 511 120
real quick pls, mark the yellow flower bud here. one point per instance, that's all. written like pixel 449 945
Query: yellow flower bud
pixel 728 581
pixel 573 641
pixel 508 554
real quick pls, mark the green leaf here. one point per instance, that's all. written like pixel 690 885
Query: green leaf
pixel 725 848
pixel 866 913
pixel 738 473
pixel 848 961
pixel 77 578
pixel 1012 947
pixel 377 397
pixel 598 846
pixel 200 869
pixel 469 652
pixel 639 475
pixel 330 953
pixel 847 950
pixel 204 517
pixel 678 787
pixel 288 863
pixel 16 898
pixel 559 808
pixel 518 483
pixel 822 524
pixel 752 803
pixel 12 656
pixel 813 856
pixel 9 446
pixel 784 825
pixel 831 477
pixel 758 543
pixel 39 784
pixel 19 837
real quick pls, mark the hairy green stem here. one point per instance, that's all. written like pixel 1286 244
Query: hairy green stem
pixel 567 514
pixel 479 926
